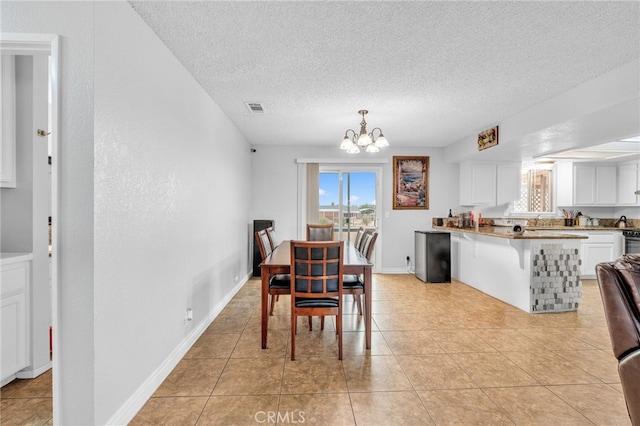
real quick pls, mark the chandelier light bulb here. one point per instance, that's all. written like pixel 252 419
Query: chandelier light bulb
pixel 353 149
pixel 346 143
pixel 372 148
pixel 382 142
pixel 364 139
pixel 353 141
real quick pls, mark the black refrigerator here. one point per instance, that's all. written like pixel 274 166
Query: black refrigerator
pixel 258 225
pixel 433 256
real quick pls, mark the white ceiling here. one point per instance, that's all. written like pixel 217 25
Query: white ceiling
pixel 430 73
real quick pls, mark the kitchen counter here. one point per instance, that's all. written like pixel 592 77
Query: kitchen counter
pixel 506 232
pixel 538 272
pixel 580 228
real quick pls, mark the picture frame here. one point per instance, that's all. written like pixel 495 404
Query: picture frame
pixel 410 183
pixel 488 138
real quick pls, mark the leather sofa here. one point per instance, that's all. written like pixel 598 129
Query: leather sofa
pixel 619 283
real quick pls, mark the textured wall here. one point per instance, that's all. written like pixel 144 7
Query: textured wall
pixel 171 209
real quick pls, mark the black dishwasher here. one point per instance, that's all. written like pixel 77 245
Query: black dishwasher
pixel 433 256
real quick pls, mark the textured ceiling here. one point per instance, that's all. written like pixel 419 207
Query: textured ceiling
pixel 430 73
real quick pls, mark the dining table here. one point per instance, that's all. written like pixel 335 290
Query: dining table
pixel 279 262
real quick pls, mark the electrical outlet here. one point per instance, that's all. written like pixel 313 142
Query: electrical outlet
pixel 188 316
pixel 235 279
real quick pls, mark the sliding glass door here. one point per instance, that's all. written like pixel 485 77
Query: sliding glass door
pixel 347 198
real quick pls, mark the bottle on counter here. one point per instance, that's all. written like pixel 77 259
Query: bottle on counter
pixel 450 215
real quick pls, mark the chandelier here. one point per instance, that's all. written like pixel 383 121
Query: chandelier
pixel 364 140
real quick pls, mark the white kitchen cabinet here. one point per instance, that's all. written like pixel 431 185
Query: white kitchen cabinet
pixel 594 185
pixel 584 185
pixel 628 183
pixel 594 253
pixel 587 184
pixel 600 247
pixel 509 177
pixel 14 314
pixel 489 183
pixel 606 185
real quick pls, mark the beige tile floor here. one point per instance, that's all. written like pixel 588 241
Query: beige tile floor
pixel 441 354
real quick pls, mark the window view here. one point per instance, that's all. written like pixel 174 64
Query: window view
pixel 536 190
pixel 356 206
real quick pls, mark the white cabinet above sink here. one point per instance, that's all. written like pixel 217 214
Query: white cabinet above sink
pixel 586 184
pixel 489 183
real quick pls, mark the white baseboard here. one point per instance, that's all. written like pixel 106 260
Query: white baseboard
pixel 8 379
pixel 402 270
pixel 28 373
pixel 130 408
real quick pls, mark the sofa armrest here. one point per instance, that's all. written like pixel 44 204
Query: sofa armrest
pixel 629 370
pixel 621 313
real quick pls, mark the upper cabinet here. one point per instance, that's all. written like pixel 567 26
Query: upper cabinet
pixel 7 131
pixel 628 184
pixel 489 183
pixel 593 184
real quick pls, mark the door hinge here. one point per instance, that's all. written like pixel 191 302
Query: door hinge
pixel 43 133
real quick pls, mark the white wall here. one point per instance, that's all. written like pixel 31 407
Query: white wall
pixel 274 194
pixel 164 177
pixel 171 179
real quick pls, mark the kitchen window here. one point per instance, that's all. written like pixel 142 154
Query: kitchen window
pixel 536 190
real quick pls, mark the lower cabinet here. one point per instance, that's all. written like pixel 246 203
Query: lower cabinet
pixel 600 247
pixel 13 318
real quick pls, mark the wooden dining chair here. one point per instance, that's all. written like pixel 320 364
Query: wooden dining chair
pixel 316 284
pixel 362 239
pixel 319 231
pixel 358 238
pixel 354 284
pixel 279 283
pixel 368 243
pixel 273 238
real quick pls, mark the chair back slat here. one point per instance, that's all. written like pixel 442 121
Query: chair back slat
pixel 369 241
pixel 359 234
pixel 273 238
pixel 316 269
pixel 264 244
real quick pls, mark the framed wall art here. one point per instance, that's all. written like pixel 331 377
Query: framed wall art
pixel 410 183
pixel 488 138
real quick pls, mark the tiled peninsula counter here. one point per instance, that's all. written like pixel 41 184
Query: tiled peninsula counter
pixel 536 272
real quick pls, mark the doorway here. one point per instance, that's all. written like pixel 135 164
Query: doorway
pixel 348 197
pixel 38 46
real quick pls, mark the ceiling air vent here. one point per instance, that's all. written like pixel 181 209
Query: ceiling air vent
pixel 255 107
